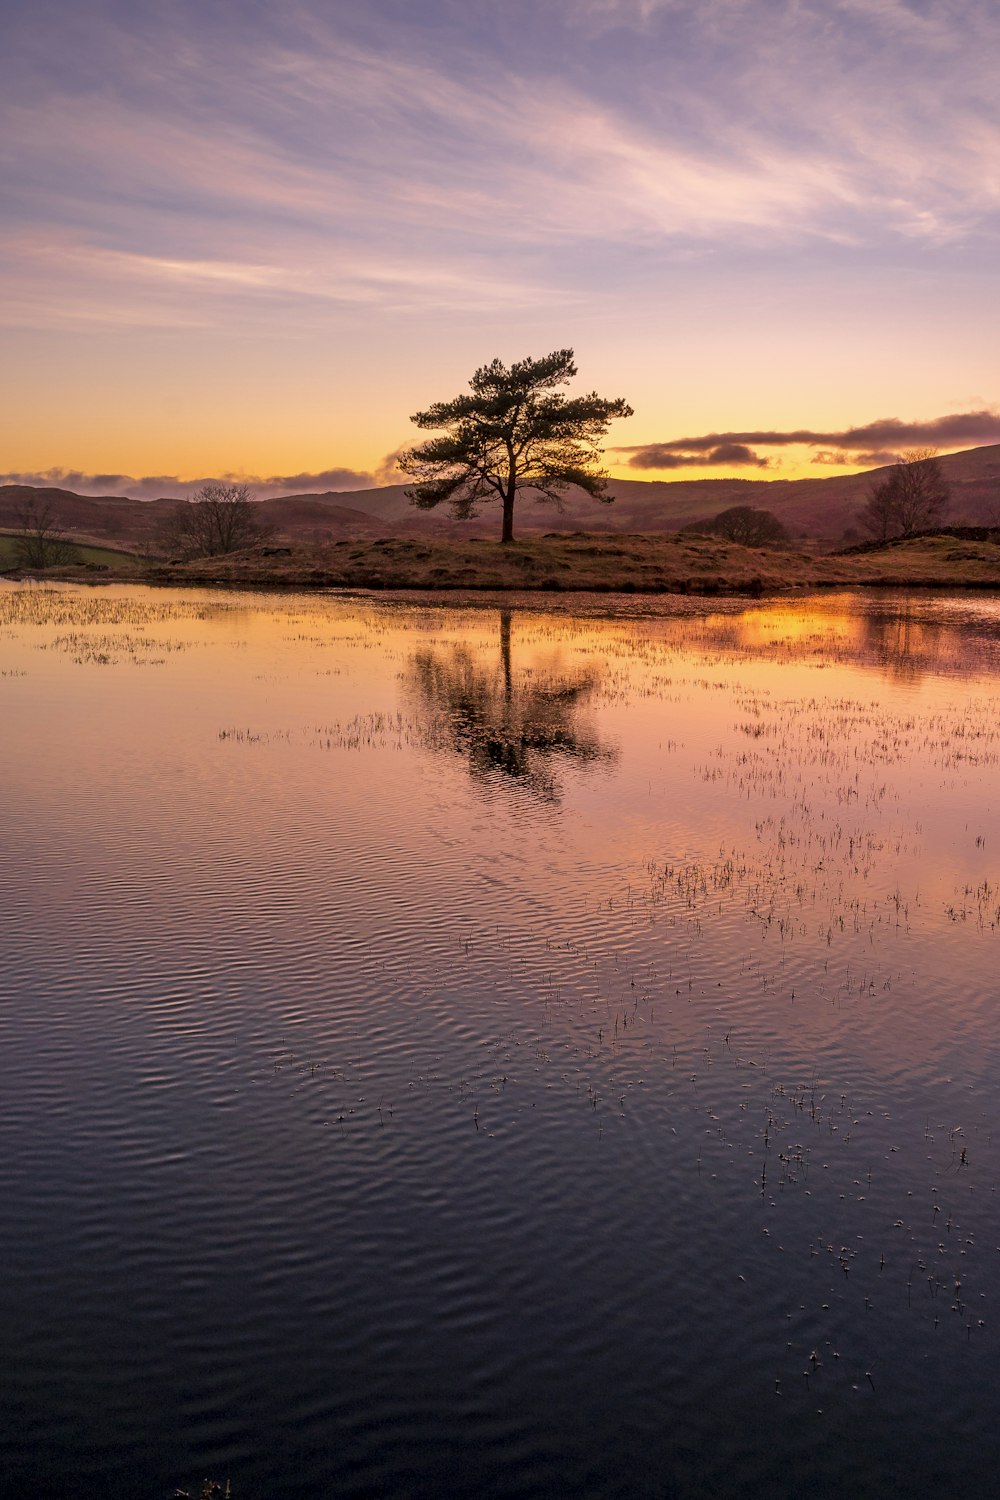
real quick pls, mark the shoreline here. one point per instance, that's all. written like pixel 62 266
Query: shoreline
pixel 578 564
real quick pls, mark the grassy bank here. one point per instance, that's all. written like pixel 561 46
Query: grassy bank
pixel 91 558
pixel 634 564
pixel 619 564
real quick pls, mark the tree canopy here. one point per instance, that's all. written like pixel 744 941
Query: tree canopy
pixel 744 524
pixel 515 431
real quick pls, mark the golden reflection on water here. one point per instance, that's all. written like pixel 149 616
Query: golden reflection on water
pixel 778 708
pixel 903 636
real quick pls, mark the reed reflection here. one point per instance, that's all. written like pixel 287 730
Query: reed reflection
pixel 514 723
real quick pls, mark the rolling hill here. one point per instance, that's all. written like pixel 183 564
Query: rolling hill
pixel 822 508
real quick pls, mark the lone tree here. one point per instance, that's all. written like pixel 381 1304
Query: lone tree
pixel 912 497
pixel 40 541
pixel 221 518
pixel 516 431
pixel 744 524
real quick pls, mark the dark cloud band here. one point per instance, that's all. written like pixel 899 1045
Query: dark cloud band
pixel 725 453
pixel 170 486
pixel 874 443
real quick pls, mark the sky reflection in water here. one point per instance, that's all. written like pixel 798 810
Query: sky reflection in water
pixel 458 1051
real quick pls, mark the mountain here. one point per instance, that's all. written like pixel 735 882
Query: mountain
pixel 808 507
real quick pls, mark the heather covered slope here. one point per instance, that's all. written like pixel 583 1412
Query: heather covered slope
pixel 822 508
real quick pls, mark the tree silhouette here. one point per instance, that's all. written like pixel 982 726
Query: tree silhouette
pixel 506 724
pixel 221 518
pixel 912 497
pixel 877 515
pixel 40 541
pixel 515 431
pixel 744 524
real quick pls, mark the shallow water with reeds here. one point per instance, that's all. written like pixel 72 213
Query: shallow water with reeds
pixel 455 1051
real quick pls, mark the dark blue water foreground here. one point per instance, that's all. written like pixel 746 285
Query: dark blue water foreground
pixel 459 1053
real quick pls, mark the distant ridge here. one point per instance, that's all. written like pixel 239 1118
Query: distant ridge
pixel 808 507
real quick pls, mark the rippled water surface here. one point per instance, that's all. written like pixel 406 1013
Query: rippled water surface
pixel 463 1052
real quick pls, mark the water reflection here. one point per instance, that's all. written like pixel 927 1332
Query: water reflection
pixel 906 647
pixel 330 1097
pixel 903 637
pixel 512 722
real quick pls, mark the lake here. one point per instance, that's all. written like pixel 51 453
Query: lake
pixel 456 1051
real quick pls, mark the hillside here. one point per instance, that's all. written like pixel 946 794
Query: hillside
pixel 821 508
pixel 136 523
pixel 808 507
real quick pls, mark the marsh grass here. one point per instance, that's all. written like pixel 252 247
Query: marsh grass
pixel 656 564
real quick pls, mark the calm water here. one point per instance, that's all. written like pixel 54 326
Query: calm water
pixel 449 1052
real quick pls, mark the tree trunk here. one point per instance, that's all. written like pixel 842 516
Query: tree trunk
pixel 507 534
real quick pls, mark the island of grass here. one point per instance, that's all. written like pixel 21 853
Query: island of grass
pixel 671 563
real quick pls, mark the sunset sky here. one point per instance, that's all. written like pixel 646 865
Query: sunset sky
pixel 252 238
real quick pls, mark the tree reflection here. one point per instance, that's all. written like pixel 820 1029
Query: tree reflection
pixel 905 639
pixel 907 644
pixel 508 724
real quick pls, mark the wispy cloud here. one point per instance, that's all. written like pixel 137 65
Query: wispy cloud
pixel 313 160
pixel 874 458
pixel 344 188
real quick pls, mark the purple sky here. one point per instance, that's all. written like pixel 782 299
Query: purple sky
pixel 248 238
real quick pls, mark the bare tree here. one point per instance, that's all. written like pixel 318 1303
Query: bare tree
pixel 913 497
pixel 40 541
pixel 877 515
pixel 991 506
pixel 221 518
pixel 922 493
